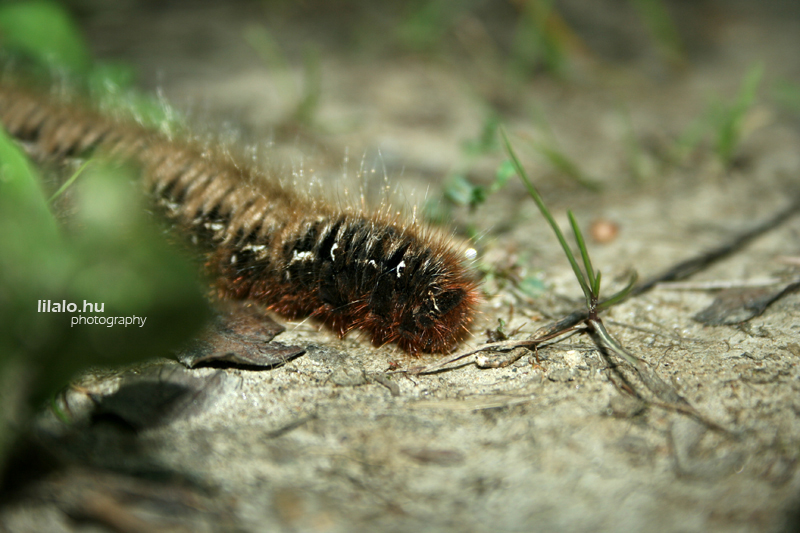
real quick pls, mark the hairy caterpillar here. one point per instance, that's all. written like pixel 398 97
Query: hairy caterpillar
pixel 300 256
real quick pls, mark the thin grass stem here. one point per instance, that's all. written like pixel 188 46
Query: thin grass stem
pixel 546 214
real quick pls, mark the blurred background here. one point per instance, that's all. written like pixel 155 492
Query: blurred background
pixel 667 126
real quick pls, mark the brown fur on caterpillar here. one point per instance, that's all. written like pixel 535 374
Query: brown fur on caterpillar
pixel 299 256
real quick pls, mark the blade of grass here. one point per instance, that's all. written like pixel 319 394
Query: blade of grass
pixel 69 182
pixel 596 286
pixel 587 262
pixel 546 214
pixel 730 118
pixel 619 296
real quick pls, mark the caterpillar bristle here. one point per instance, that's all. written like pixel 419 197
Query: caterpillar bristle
pixel 350 268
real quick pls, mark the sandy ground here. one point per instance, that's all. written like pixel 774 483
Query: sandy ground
pixel 330 442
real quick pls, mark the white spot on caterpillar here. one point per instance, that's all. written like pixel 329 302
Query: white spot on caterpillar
pixel 400 268
pixel 255 247
pixel 471 254
pixel 333 248
pixel 233 259
pixel 214 226
pixel 260 250
pixel 372 263
pixel 301 256
pixel 433 301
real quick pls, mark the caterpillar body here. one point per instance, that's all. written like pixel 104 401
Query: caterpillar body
pixel 298 255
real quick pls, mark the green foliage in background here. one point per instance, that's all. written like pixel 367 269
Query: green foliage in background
pixel 541 38
pixel 727 118
pixel 722 122
pixel 425 24
pixel 44 32
pixel 41 43
pixel 111 253
pixel 460 190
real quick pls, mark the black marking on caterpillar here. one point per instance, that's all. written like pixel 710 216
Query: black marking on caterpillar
pixel 300 256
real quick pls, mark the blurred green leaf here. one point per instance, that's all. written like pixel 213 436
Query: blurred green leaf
pixel 110 253
pixel 113 255
pixel 124 263
pixel 20 191
pixel 110 78
pixel 504 173
pixel 531 286
pixel 45 31
pixel 460 191
pixel 30 244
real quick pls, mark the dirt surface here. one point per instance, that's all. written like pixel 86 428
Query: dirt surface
pixel 334 440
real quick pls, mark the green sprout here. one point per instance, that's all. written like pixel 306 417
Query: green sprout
pixel 69 182
pixel 729 118
pixel 724 120
pixel 459 190
pixel 588 278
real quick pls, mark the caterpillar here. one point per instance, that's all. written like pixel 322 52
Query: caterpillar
pixel 398 281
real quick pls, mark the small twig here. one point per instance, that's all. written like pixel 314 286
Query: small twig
pixel 382 379
pixel 291 426
pixel 534 341
pixel 667 397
